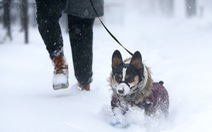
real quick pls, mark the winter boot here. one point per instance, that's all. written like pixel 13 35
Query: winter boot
pixel 60 77
pixel 84 86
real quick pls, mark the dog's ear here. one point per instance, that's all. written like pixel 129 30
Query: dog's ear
pixel 136 60
pixel 116 59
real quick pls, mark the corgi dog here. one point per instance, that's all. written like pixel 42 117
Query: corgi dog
pixel 132 85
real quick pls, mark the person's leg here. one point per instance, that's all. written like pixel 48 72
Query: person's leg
pixel 81 37
pixel 48 15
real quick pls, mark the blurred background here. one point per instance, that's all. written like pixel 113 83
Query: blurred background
pixel 21 14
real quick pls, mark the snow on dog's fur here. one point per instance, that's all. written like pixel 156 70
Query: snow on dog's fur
pixel 132 85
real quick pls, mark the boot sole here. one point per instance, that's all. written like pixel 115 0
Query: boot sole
pixel 61 86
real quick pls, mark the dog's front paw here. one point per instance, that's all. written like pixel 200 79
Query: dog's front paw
pixel 119 121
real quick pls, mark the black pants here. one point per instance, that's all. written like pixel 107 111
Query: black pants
pixel 80 33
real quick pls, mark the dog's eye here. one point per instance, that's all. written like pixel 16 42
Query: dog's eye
pixel 118 78
pixel 130 80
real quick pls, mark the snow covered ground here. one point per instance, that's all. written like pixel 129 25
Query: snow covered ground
pixel 178 50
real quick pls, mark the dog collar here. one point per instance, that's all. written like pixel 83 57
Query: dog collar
pixel 140 84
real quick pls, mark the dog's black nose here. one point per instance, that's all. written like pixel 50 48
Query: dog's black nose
pixel 120 91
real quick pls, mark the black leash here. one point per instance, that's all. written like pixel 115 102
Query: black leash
pixel 108 29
